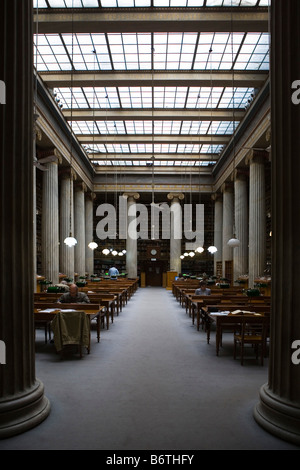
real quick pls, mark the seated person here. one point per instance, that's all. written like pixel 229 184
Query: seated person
pixel 203 290
pixel 74 297
pixel 179 277
pixel 64 285
pixel 113 272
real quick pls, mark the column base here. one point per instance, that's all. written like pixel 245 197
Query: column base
pixel 278 417
pixel 23 412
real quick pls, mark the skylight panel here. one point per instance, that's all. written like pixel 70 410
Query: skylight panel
pixel 130 51
pixel 39 4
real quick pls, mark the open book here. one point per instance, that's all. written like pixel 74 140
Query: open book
pixel 243 312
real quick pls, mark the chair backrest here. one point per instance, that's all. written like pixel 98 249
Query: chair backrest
pixel 255 326
pixel 70 328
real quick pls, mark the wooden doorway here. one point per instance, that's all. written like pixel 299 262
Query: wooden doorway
pixel 154 273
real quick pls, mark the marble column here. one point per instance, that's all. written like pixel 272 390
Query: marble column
pixel 66 253
pixel 228 203
pixel 79 228
pixel 37 136
pixel 131 241
pixel 257 215
pixel 23 404
pixel 89 232
pixel 50 219
pixel 278 410
pixel 218 229
pixel 240 253
pixel 176 231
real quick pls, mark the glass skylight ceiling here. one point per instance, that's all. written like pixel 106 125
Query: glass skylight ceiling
pixel 156 127
pixel 171 51
pixel 178 52
pixel 164 97
pixel 146 3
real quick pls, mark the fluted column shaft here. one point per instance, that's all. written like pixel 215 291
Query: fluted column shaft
pixel 89 231
pixel 257 218
pixel 279 408
pixel 227 251
pixel 50 223
pixel 131 241
pixel 240 253
pixel 176 231
pixel 218 231
pixel 79 229
pixel 66 225
pixel 22 401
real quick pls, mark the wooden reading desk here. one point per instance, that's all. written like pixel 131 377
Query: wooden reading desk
pixel 45 312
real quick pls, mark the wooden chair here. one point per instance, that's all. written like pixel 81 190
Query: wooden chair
pixel 71 328
pixel 253 331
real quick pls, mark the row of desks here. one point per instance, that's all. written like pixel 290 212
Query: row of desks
pixel 204 309
pixel 106 299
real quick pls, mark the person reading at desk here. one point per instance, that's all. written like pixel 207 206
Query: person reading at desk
pixel 74 297
pixel 203 290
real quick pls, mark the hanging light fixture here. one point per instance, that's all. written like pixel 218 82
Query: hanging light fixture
pixel 200 249
pixel 70 240
pixel 106 251
pixel 211 249
pixel 233 242
pixel 93 245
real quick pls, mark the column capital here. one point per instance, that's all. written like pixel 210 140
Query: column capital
pixel 67 173
pixel 80 186
pixel 259 156
pixel 37 132
pixel 49 156
pixel 239 174
pixel 227 187
pixel 172 196
pixel 135 196
pixel 91 195
pixel 216 197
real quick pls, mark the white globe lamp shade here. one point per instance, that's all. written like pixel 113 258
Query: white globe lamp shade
pixel 181 257
pixel 191 254
pixel 212 249
pixel 124 251
pixel 233 242
pixel 105 251
pixel 114 253
pixel 120 253
pixel 185 254
pixel 200 249
pixel 93 245
pixel 70 241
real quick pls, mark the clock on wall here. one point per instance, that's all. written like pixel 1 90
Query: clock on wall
pixel 153 252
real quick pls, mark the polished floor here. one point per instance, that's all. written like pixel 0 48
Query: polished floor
pixel 152 383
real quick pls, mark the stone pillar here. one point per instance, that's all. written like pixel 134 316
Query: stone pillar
pixel 240 253
pixel 131 241
pixel 278 411
pixel 227 251
pixel 67 223
pixel 218 229
pixel 37 136
pixel 79 228
pixel 23 404
pixel 50 218
pixel 257 215
pixel 176 231
pixel 89 232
